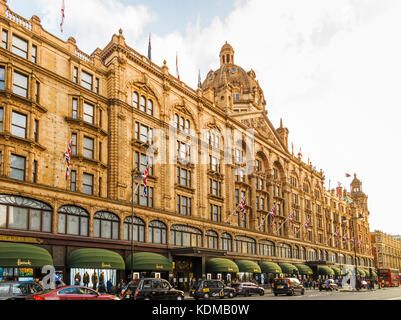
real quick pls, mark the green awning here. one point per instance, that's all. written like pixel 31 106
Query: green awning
pixel 288 268
pixel 149 261
pixel 374 274
pixel 304 269
pixel 248 266
pixel 95 259
pixel 325 271
pixel 270 267
pixel 221 265
pixel 361 272
pixel 336 270
pixel 23 255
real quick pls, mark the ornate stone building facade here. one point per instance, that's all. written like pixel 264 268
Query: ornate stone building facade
pixel 386 250
pixel 110 104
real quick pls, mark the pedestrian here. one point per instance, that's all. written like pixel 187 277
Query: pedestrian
pixel 120 287
pixel 94 280
pixel 109 286
pixel 102 287
pixel 77 279
pixel 86 279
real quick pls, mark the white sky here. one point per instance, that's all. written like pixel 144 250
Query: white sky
pixel 330 69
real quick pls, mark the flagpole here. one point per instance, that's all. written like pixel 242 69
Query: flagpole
pixel 132 222
pixel 58 176
pixel 282 224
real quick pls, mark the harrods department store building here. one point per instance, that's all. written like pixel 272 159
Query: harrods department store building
pixel 109 104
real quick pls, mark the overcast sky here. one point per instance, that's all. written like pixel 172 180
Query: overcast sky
pixel 330 69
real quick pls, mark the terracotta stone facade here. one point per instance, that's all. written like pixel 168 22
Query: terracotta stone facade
pixel 94 98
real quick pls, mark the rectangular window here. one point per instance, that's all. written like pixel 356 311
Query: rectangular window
pixel 87 186
pixel 37 92
pixel 2 77
pixel 100 151
pixel 1 119
pixel 17 167
pixel 236 196
pixel 75 75
pixel 100 186
pixel 20 47
pixel 20 84
pixel 75 108
pixel 34 53
pixel 36 130
pixel 257 203
pixel 73 181
pixel 35 171
pixel 74 144
pixel 89 145
pixel 4 39
pixel 89 112
pixel 100 118
pixel 87 80
pixel 97 85
pixel 18 124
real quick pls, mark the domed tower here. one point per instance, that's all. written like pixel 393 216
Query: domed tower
pixel 357 194
pixel 234 89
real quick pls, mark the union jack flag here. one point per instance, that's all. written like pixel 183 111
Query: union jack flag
pixel 360 242
pixel 68 159
pixel 273 213
pixel 242 207
pixel 345 237
pixel 145 178
pixel 307 223
pixel 291 217
pixel 337 233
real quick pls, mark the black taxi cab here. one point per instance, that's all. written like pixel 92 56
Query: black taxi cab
pixel 207 289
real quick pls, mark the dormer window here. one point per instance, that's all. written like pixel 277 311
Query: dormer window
pixel 236 97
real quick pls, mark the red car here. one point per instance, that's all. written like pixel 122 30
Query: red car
pixel 73 293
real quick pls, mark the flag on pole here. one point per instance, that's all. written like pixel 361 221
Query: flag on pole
pixel 273 213
pixel 242 207
pixel 347 175
pixel 145 178
pixel 176 66
pixel 299 153
pixel 149 49
pixel 336 233
pixel 62 15
pixel 199 80
pixel 68 158
pixel 306 224
pixel 345 237
pixel 291 217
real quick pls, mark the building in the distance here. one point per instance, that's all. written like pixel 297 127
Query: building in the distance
pixel 112 105
pixel 386 250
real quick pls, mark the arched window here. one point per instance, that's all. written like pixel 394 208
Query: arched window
pixel 302 255
pixel 245 245
pixel 106 225
pixel 150 107
pixel 24 214
pixel 296 252
pixel 185 236
pixel 73 220
pixel 139 229
pixel 311 255
pixel 135 100
pixel 212 240
pixel 157 232
pixel 284 250
pixel 143 104
pixel 226 242
pixel 176 119
pixel 266 248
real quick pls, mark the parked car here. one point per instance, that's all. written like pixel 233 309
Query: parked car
pixel 211 288
pixel 328 285
pixel 288 286
pixel 73 293
pixel 17 290
pixel 248 289
pixel 151 289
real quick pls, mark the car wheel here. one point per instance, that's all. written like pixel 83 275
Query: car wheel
pixel 146 298
pixel 276 294
pixel 206 296
pixel 262 293
pixel 303 292
pixel 231 294
pixel 179 297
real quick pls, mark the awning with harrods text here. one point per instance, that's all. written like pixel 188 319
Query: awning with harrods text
pixel 221 265
pixel 325 271
pixel 149 261
pixel 270 267
pixel 95 259
pixel 336 270
pixel 304 269
pixel 288 268
pixel 23 255
pixel 248 266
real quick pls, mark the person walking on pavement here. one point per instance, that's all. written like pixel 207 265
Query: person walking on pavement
pixel 77 279
pixel 86 279
pixel 94 280
pixel 109 286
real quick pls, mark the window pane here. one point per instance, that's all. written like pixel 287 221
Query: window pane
pixel 88 147
pixel 136 99
pixel 2 77
pixel 17 167
pixel 86 80
pixel 106 229
pixel 34 53
pixel 96 228
pixel 4 39
pixel 61 223
pixel 3 216
pixel 20 84
pixel 143 104
pixel 18 125
pixel 150 107
pixel 20 47
pixel 47 221
pixel 88 112
pixel 34 220
pixel 87 183
pixel 186 239
pixel 72 225
pixel 18 218
pixel 116 230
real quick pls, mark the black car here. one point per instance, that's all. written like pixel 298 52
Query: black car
pixel 151 289
pixel 248 289
pixel 16 290
pixel 288 286
pixel 211 288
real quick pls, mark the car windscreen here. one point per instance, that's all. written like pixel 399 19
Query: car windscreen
pixel 280 281
pixel 236 285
